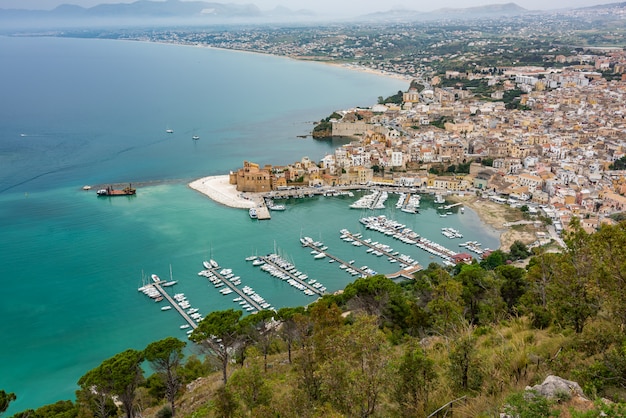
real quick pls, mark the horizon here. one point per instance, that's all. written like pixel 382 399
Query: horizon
pixel 327 7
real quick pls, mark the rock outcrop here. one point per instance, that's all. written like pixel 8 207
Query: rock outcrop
pixel 554 386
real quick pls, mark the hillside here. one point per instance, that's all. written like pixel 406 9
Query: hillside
pixel 468 339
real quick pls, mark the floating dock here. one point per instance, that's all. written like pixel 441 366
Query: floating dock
pixel 400 258
pixel 315 290
pixel 310 244
pixel 235 289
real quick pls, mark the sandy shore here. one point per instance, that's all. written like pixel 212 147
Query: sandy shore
pixel 497 216
pixel 220 190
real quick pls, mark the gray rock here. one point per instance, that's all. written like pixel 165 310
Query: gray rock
pixel 555 386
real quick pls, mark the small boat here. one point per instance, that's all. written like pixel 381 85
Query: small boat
pixel 251 258
pixel 206 265
pixel 170 283
pixel 195 137
pixel 166 308
pixel 214 263
pixel 184 326
pixel 169 131
pixel 252 213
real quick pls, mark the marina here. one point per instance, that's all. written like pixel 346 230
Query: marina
pixel 319 249
pixel 399 231
pixel 374 200
pixel 282 269
pixel 378 249
pixel 155 288
pixel 249 300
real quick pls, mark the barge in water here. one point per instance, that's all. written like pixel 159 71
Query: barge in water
pixel 110 191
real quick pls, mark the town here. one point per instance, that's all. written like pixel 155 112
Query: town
pixel 563 153
pixel 524 109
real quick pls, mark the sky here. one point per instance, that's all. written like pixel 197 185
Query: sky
pixel 352 7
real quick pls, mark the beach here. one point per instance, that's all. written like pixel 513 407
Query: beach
pixel 497 216
pixel 220 190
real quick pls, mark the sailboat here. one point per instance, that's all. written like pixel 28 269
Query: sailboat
pixel 172 282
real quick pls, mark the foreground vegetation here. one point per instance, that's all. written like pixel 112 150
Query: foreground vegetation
pixel 470 338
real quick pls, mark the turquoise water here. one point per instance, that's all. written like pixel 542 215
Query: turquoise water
pixel 78 112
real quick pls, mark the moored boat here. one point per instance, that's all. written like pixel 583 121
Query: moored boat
pixel 110 191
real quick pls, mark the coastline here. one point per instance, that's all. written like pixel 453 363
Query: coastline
pixel 497 216
pixel 346 66
pixel 219 189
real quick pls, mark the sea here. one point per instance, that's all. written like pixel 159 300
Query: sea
pixel 78 112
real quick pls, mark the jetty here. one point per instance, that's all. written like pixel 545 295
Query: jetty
pixel 320 249
pixel 262 211
pixel 156 292
pixel 246 295
pixel 176 306
pixel 401 232
pixel 287 271
pixel 378 249
pixel 452 205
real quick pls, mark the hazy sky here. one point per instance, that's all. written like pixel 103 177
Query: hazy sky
pixel 352 7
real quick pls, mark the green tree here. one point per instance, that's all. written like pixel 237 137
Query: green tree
pixel 355 373
pixel 225 403
pixel 415 377
pixel 249 385
pixel 518 251
pixel 574 296
pixel 493 260
pixel 446 305
pixel 609 260
pixel 117 376
pixel 219 334
pixel 260 328
pixel 165 356
pixel 514 285
pixel 5 400
pixel 289 330
pixel 464 365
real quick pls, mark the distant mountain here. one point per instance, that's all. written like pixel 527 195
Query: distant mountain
pixel 621 5
pixel 491 10
pixel 153 9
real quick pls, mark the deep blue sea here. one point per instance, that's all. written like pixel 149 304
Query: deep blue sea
pixel 77 112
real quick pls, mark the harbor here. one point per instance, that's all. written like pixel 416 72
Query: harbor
pixel 247 298
pixel 155 291
pixel 282 269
